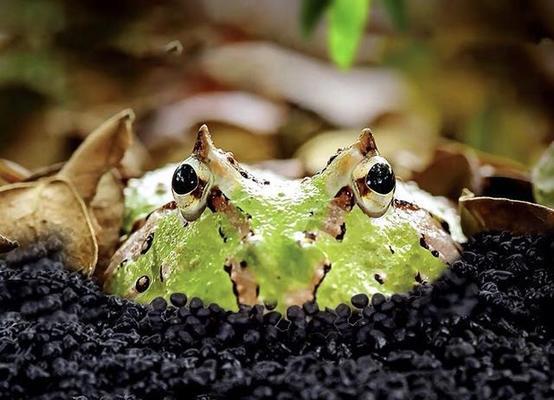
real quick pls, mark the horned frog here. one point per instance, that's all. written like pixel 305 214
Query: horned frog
pixel 232 238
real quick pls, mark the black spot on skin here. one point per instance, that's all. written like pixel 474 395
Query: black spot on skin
pixel 379 278
pixel 142 283
pixel 147 243
pixel 266 182
pixel 227 268
pixel 161 273
pixel 340 236
pixel 244 174
pixel 435 253
pixel 445 226
pixel 332 158
pixel 423 242
pixel 391 250
pixel 257 290
pixel 418 278
pixel 310 235
pixel 123 263
pixel 222 234
pixel 326 269
pixel 243 264
pixel 311 213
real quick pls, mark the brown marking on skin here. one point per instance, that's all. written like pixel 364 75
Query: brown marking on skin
pixel 366 142
pixel 245 286
pixel 338 208
pixel 203 143
pixel 438 241
pixel 362 187
pixel 138 224
pixel 199 189
pixel 218 202
pixel 301 296
pixel 405 205
pixel 133 246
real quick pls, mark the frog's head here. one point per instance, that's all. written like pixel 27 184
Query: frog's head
pixel 211 178
pixel 230 237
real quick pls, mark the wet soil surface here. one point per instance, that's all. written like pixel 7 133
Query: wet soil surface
pixel 483 331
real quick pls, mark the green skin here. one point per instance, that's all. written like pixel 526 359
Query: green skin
pixel 278 244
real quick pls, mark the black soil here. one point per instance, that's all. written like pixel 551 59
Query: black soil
pixel 483 331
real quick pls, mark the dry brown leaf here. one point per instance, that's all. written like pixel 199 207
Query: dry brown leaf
pixel 37 210
pixel 11 172
pixel 107 208
pixel 449 173
pixel 101 151
pixel 456 166
pixel 7 244
pixel 480 214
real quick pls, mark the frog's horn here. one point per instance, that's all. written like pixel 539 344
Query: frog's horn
pixel 203 143
pixel 366 143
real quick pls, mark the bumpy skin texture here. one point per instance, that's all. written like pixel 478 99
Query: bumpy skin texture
pixel 282 242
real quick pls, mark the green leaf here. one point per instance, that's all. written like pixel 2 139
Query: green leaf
pixel 543 178
pixel 397 13
pixel 311 13
pixel 347 20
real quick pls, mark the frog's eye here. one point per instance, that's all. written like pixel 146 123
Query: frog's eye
pixel 374 185
pixel 184 180
pixel 190 186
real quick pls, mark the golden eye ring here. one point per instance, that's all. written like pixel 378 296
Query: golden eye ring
pixel 190 186
pixel 374 184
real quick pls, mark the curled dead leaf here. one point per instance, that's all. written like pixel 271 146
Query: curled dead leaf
pixel 456 166
pixel 33 211
pixel 480 214
pixel 11 172
pixel 450 171
pixel 81 201
pixel 543 178
pixel 108 208
pixel 101 151
pixel 7 244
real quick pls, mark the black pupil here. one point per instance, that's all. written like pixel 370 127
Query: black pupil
pixel 185 179
pixel 380 178
pixel 142 283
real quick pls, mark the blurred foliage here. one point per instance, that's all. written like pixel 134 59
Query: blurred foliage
pixel 478 72
pixel 543 178
pixel 346 24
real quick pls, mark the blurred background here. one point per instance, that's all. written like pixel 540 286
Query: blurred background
pixel 286 80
